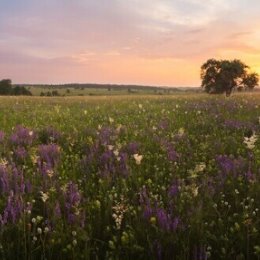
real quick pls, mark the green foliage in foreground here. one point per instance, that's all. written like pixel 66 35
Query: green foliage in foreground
pixel 130 178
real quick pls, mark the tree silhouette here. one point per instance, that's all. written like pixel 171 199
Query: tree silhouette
pixel 222 76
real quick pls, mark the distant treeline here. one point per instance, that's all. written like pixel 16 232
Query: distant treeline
pixel 7 89
pixel 114 87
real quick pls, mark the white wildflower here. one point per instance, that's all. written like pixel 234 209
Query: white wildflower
pixel 200 167
pixel 50 173
pixel 194 190
pixel 3 162
pixel 181 131
pixel 44 196
pixel 116 153
pixel 110 147
pixel 39 218
pixel 39 230
pixel 250 141
pixel 118 212
pixel 138 158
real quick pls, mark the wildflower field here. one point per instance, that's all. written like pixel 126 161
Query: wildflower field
pixel 144 177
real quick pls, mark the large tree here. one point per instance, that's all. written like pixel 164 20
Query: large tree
pixel 5 87
pixel 222 76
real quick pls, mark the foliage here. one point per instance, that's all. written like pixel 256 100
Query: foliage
pixel 130 178
pixel 6 88
pixel 222 76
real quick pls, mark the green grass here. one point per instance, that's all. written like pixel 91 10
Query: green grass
pixel 130 177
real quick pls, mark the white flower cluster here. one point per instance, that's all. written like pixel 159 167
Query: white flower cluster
pixel 3 162
pixel 198 169
pixel 250 141
pixel 118 212
pixel 138 158
pixel 44 196
pixel 181 131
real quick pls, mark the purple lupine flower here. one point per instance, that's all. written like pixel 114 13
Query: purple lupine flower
pixel 20 153
pixel 22 136
pixel 4 181
pixel 17 181
pixel 146 204
pixel 174 189
pixel 163 124
pixel 105 135
pixel 230 165
pixel 175 223
pixel 28 186
pixel 234 124
pixel 13 209
pixel 123 168
pixel 132 148
pixel 163 219
pixel 2 136
pixel 171 152
pixel 73 198
pixel 49 154
pixel 249 176
pixel 57 210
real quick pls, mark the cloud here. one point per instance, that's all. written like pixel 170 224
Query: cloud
pixel 90 35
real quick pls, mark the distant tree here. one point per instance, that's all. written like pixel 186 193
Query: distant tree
pixel 20 90
pixel 5 87
pixel 222 76
pixel 55 93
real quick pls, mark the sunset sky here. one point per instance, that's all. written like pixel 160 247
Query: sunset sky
pixel 148 42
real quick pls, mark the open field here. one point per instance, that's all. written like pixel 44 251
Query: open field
pixel 108 90
pixel 130 177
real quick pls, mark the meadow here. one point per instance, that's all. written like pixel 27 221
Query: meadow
pixel 130 177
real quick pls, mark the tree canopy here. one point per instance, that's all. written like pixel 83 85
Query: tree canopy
pixel 223 76
pixel 6 88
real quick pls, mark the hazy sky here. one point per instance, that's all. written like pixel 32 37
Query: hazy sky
pixel 155 42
